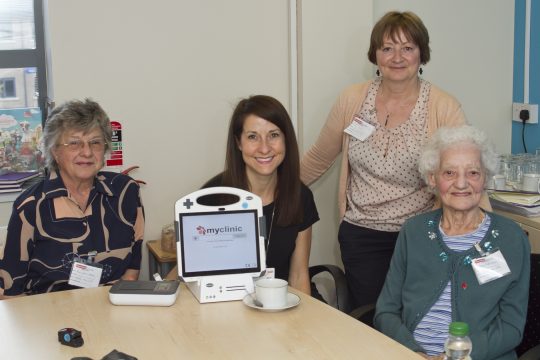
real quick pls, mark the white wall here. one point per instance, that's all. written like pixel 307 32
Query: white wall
pixel 335 40
pixel 5 212
pixel 3 234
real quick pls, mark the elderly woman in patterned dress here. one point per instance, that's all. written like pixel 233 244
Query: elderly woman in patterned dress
pixel 77 223
pixel 460 262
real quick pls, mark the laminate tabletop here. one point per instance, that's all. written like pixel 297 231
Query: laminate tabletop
pixel 185 330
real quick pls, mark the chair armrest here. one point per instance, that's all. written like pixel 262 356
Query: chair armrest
pixel 531 354
pixel 364 313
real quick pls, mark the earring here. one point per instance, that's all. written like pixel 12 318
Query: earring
pixel 378 72
pixel 420 71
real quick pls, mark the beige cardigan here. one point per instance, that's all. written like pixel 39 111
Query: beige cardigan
pixel 443 110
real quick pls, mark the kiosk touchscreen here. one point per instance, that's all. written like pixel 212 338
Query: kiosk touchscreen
pixel 220 248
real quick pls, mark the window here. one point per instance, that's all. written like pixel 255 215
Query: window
pixel 7 88
pixel 17 25
pixel 22 55
pixel 23 84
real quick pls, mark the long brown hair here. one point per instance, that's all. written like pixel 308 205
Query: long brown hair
pixel 287 198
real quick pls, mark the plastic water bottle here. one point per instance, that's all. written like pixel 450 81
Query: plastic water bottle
pixel 458 346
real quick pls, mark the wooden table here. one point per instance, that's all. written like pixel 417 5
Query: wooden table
pixel 159 261
pixel 186 330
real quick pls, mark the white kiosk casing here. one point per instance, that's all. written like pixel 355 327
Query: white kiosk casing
pixel 220 249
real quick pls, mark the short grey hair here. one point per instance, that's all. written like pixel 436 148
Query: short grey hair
pixel 74 115
pixel 446 137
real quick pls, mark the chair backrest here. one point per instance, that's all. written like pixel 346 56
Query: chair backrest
pixel 531 334
pixel 340 290
pixel 341 294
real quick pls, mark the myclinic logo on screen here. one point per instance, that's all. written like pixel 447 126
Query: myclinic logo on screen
pixel 201 230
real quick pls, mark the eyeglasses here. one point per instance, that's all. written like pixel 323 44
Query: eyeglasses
pixel 78 144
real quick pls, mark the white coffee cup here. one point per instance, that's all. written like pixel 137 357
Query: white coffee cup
pixel 499 182
pixel 531 183
pixel 272 293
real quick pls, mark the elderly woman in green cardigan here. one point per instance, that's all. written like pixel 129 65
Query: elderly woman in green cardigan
pixel 459 262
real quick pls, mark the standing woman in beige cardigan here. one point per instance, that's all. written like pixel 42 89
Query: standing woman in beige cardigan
pixel 381 126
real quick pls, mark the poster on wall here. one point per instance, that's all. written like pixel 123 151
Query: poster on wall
pixel 20 136
pixel 115 158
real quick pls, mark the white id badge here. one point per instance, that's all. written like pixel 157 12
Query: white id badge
pixel 360 129
pixel 490 267
pixel 85 275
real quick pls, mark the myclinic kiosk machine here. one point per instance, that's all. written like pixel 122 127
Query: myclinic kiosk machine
pixel 220 248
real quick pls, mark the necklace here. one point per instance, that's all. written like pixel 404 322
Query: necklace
pixel 270 232
pixel 400 105
pixel 463 228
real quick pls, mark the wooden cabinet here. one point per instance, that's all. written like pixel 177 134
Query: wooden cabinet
pixel 531 226
pixel 159 261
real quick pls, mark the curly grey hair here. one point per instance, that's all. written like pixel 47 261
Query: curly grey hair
pixel 448 136
pixel 74 115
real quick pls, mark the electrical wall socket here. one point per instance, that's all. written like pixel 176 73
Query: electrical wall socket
pixel 533 112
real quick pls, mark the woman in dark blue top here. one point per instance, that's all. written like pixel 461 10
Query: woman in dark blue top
pixel 262 158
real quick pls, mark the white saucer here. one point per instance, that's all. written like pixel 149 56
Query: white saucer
pixel 292 301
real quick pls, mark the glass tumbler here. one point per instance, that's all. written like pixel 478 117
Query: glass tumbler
pixel 168 241
pixel 515 173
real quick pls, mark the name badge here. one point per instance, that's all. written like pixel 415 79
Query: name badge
pixel 269 274
pixel 490 267
pixel 85 275
pixel 360 129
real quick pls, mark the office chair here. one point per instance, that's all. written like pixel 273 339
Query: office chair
pixel 343 302
pixel 531 333
pixel 340 285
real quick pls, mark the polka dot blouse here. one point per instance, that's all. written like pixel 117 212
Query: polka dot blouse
pixel 385 187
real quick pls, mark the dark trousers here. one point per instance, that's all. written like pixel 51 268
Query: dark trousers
pixel 366 256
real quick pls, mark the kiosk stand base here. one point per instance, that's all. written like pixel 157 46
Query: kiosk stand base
pixel 221 288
